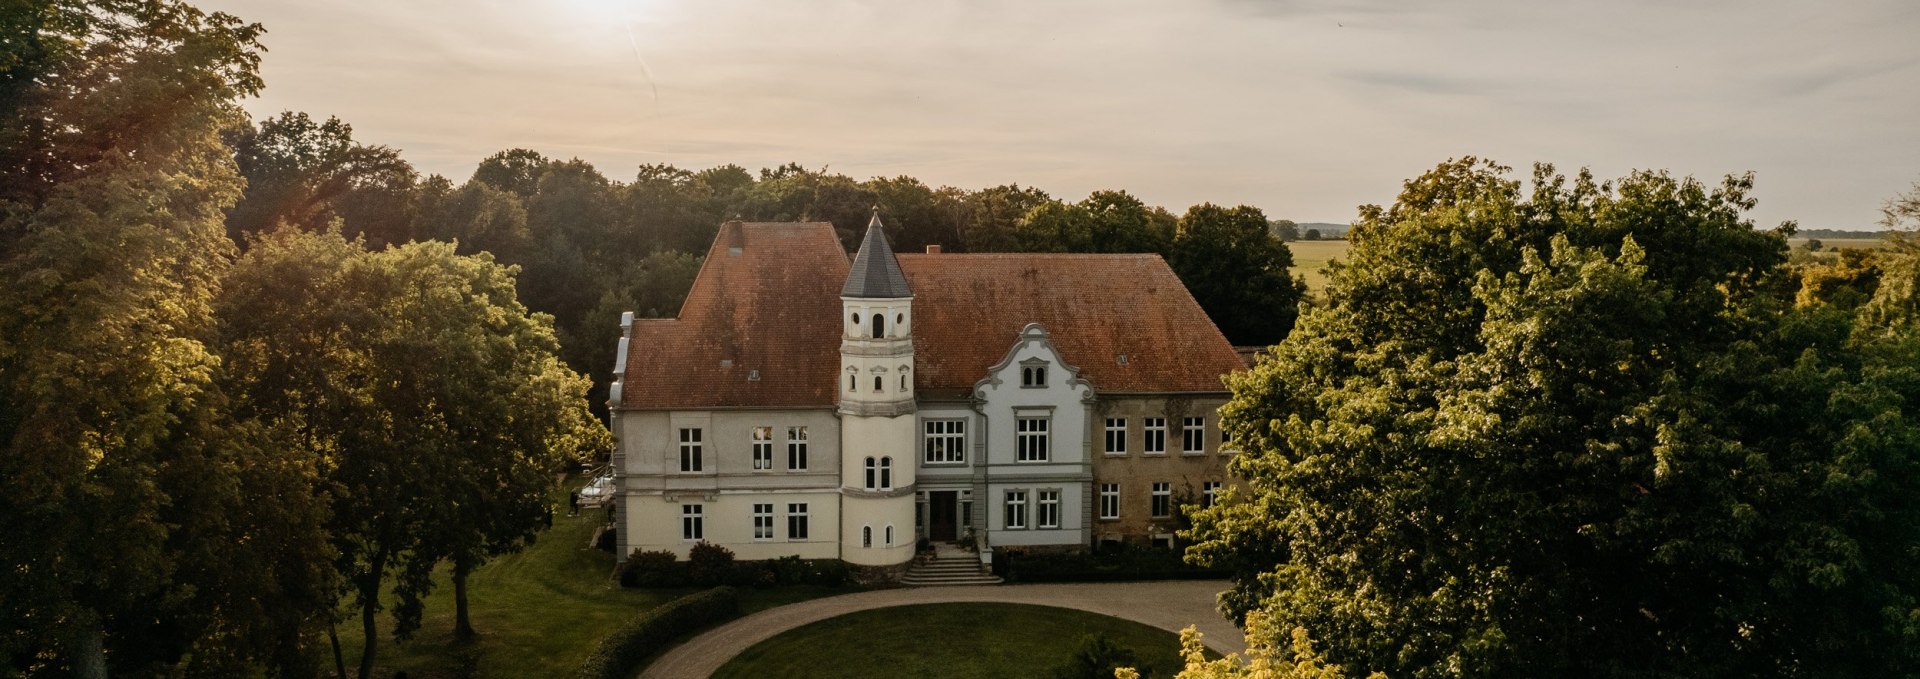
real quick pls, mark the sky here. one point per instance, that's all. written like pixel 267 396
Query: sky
pixel 1303 108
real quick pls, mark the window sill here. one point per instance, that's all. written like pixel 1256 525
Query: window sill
pixel 1115 454
pixel 1193 453
pixel 961 463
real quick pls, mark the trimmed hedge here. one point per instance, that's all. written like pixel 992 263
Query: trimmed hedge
pixel 710 565
pixel 619 655
pixel 1115 565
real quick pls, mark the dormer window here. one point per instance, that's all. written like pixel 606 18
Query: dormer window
pixel 1033 376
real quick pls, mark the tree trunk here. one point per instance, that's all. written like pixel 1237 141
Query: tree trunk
pixel 462 626
pixel 90 655
pixel 339 661
pixel 369 609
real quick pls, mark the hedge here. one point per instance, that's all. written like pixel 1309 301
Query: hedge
pixel 1117 565
pixel 709 565
pixel 619 655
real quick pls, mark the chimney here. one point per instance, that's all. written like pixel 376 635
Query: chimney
pixel 933 249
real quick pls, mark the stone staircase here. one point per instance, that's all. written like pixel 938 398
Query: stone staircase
pixel 949 565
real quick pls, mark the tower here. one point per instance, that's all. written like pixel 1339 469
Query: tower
pixel 876 407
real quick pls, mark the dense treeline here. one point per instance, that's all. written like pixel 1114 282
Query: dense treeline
pixel 590 247
pixel 208 454
pixel 1584 429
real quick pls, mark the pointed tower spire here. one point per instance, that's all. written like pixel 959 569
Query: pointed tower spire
pixel 875 273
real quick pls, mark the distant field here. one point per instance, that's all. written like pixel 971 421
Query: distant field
pixel 1837 243
pixel 1310 257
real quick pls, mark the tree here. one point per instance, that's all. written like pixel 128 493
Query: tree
pixel 432 399
pixel 994 215
pixel 1097 658
pixel 308 174
pixel 1311 234
pixel 1286 230
pixel 1265 657
pixel 479 217
pixel 1238 272
pixel 1525 426
pixel 131 536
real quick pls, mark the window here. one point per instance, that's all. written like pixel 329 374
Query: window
pixel 1210 493
pixel 1016 509
pixel 762 448
pixel 1109 500
pixel 873 474
pixel 1049 502
pixel 1033 376
pixel 866 536
pixel 691 527
pixel 1116 436
pixel 1156 436
pixel 1162 500
pixel 903 383
pixel 946 441
pixel 853 383
pixel 879 326
pixel 689 450
pixel 886 473
pixel 1032 439
pixel 796 449
pixel 1193 435
pixel 763 521
pixel 797 521
pixel 889 536
pixel 878 385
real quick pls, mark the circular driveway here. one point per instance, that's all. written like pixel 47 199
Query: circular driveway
pixel 1169 605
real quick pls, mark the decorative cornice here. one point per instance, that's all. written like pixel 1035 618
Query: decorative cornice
pixel 891 409
pixel 903 491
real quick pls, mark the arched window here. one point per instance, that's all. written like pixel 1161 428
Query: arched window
pixel 853 383
pixel 878 386
pixel 886 473
pixel 903 382
pixel 866 536
pixel 871 471
pixel 889 536
pixel 879 326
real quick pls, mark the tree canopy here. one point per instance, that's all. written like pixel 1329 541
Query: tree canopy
pixel 1579 430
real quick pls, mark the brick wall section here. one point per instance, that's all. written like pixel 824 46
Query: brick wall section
pixel 1136 471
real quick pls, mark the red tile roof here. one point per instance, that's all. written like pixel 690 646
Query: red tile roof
pixel 774 307
pixel 968 311
pixel 767 299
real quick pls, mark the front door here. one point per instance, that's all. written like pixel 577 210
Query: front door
pixel 940 515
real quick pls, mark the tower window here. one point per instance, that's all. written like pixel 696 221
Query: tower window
pixel 873 471
pixel 878 386
pixel 866 536
pixel 886 473
pixel 903 383
pixel 856 318
pixel 853 383
pixel 879 326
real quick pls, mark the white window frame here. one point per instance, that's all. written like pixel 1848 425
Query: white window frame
pixel 762 521
pixel 693 524
pixel 886 473
pixel 1109 500
pixel 763 449
pixel 1033 376
pixel 796 449
pixel 1209 493
pixel 1015 517
pixel 1116 429
pixel 692 451
pixel 872 467
pixel 1032 439
pixel 1162 506
pixel 1047 504
pixel 797 521
pixel 889 542
pixel 945 441
pixel 1193 436
pixel 1153 435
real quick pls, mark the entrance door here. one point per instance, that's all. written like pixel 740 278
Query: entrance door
pixel 940 515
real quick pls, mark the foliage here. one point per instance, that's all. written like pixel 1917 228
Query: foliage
pixel 132 533
pixel 1264 659
pixel 1526 426
pixel 1238 271
pixel 309 175
pixel 708 564
pixel 1096 658
pixel 619 655
pixel 654 569
pixel 649 569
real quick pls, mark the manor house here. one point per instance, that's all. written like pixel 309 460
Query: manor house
pixel 803 405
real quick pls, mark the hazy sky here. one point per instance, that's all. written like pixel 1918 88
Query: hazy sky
pixel 1303 108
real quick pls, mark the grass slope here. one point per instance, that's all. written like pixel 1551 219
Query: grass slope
pixel 1310 258
pixel 538 612
pixel 947 641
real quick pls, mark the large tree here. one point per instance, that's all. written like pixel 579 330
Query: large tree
pixel 1238 271
pixel 1580 431
pixel 432 400
pixel 309 174
pixel 138 531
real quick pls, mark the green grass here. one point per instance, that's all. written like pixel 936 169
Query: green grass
pixel 947 641
pixel 538 613
pixel 1310 257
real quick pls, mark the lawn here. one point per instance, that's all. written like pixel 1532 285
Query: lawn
pixel 1310 258
pixel 947 641
pixel 538 613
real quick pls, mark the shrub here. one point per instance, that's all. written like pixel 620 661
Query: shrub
pixel 751 574
pixel 1096 658
pixel 1117 565
pixel 831 573
pixel 650 569
pixel 619 655
pixel 709 564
